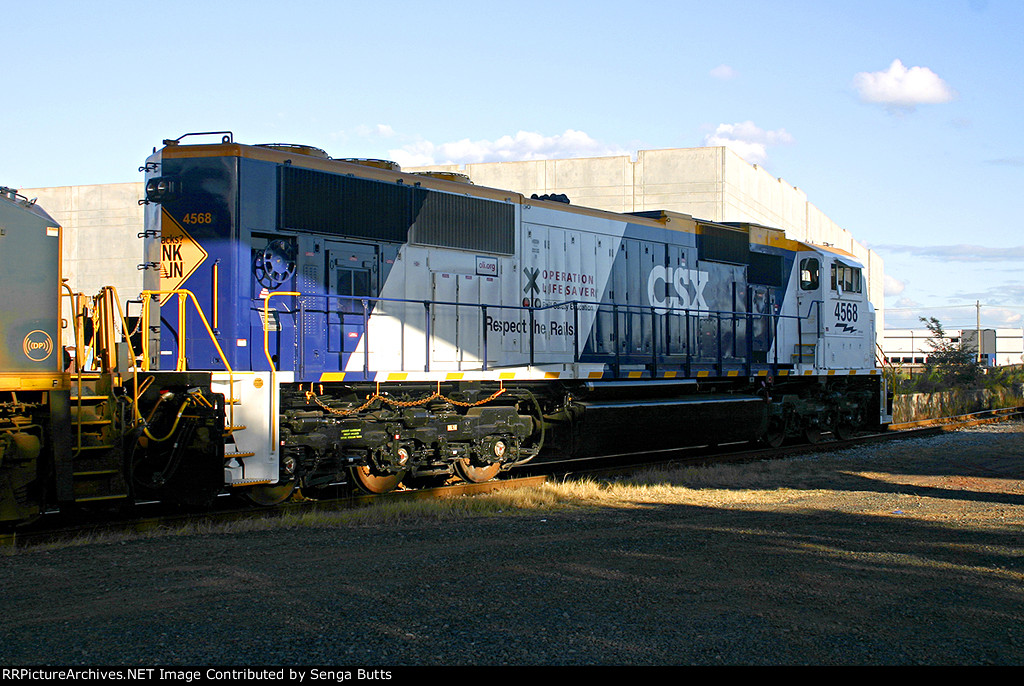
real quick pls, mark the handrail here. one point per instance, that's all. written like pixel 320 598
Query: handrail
pixel 147 299
pixel 618 311
pixel 270 360
pixel 564 305
pixel 105 332
pixel 655 349
pixel 888 368
pixel 112 295
pixel 181 293
pixel 266 329
pixel 72 296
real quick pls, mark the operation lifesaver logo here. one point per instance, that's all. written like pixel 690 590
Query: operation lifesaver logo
pixel 37 345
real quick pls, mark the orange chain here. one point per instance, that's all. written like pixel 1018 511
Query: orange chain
pixel 312 396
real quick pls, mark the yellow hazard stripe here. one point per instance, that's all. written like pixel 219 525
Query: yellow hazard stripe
pixel 523 375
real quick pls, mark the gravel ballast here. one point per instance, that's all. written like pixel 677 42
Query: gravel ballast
pixel 908 552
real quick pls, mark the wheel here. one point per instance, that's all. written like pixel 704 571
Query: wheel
pixel 812 434
pixel 267 495
pixel 372 481
pixel 843 431
pixel 476 474
pixel 776 433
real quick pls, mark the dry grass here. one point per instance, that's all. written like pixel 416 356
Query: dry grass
pixel 714 486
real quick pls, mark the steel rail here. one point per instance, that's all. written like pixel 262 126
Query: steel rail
pixel 595 467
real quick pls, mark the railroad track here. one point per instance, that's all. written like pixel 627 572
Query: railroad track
pixel 740 452
pixel 45 532
pixel 960 421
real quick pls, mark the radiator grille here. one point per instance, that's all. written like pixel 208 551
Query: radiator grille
pixel 360 208
pixel 723 245
pixel 457 221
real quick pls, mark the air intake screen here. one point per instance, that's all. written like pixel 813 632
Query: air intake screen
pixel 766 269
pixel 723 245
pixel 343 205
pixel 458 221
pixel 360 208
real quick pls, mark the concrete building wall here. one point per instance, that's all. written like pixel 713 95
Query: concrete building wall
pixel 1010 346
pixel 605 182
pixel 100 238
pixel 690 184
pixel 101 226
pixel 711 183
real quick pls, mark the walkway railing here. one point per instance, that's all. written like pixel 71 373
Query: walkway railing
pixel 647 335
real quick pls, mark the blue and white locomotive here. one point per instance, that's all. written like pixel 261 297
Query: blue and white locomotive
pixel 367 323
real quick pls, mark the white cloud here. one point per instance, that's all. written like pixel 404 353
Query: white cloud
pixel 893 286
pixel 1017 161
pixel 724 72
pixel 1008 293
pixel 747 140
pixel 900 88
pixel 1002 317
pixel 524 145
pixel 907 302
pixel 957 253
pixel 379 131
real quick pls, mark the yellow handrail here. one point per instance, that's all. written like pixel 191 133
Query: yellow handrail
pixel 270 361
pixel 73 297
pixel 111 294
pixel 266 328
pixel 182 293
pixel 215 296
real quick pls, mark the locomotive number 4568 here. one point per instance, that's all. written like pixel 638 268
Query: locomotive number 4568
pixel 846 312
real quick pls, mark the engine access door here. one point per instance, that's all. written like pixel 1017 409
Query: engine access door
pixel 352 270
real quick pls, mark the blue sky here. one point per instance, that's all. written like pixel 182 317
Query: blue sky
pixel 901 120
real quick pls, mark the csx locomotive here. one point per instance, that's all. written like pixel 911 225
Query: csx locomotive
pixel 307 321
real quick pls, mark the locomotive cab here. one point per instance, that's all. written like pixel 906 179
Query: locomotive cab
pixel 836 326
pixel 848 316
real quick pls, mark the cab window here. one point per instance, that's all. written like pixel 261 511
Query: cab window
pixel 846 278
pixel 810 271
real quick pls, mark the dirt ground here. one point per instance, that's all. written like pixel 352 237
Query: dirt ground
pixel 911 552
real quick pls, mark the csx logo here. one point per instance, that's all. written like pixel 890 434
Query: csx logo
pixel 686 284
pixel 37 345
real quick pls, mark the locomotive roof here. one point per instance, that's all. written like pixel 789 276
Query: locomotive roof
pixel 665 219
pixel 13 202
pixel 847 256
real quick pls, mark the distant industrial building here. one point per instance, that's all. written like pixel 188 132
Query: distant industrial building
pixel 914 346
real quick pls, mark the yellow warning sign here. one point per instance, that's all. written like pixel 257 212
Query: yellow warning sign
pixel 180 255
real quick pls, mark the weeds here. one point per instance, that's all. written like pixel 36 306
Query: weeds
pixel 722 485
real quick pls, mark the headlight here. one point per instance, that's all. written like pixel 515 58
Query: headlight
pixel 162 188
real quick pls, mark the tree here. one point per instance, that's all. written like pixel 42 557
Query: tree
pixel 950 364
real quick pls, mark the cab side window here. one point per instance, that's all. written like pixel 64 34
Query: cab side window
pixel 810 273
pixel 846 278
